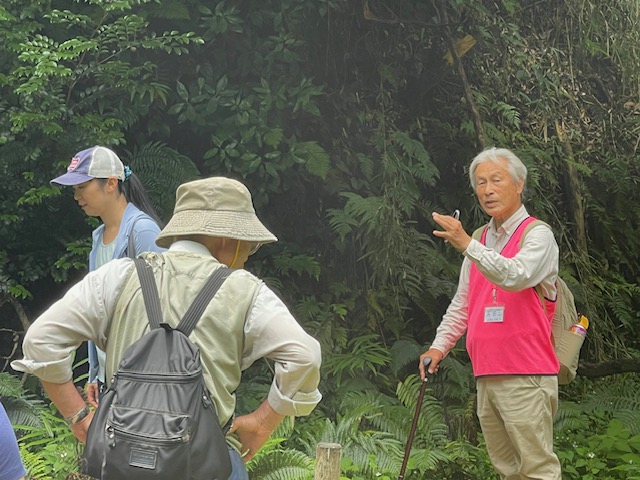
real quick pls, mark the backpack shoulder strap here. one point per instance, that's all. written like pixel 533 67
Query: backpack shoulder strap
pixel 208 291
pixel 131 248
pixel 537 288
pixel 477 233
pixel 535 223
pixel 149 293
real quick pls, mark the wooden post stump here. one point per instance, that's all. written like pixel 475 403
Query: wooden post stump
pixel 328 457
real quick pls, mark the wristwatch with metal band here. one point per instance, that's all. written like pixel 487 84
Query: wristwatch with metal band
pixel 78 417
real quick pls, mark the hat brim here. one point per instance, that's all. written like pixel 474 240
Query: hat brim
pixel 71 178
pixel 228 224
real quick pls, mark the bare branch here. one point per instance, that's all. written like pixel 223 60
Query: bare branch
pixel 468 94
pixel 612 367
pixel 22 315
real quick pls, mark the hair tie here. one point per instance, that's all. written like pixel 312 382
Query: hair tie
pixel 127 173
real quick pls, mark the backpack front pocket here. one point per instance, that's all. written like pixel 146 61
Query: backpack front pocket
pixel 146 445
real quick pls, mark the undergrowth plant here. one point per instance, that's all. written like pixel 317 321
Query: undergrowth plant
pixel 599 437
pixel 49 451
pixel 613 454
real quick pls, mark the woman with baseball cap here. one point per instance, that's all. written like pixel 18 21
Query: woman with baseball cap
pixel 105 188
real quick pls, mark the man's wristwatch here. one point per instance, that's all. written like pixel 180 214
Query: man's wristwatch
pixel 78 417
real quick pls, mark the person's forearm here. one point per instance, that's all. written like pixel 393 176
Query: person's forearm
pixel 71 405
pixel 268 417
pixel 65 397
pixel 254 429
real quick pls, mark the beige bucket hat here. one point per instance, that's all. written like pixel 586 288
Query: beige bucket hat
pixel 216 207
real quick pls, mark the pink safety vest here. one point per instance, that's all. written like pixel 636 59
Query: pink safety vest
pixel 521 343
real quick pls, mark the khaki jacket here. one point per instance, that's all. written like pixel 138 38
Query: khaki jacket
pixel 219 333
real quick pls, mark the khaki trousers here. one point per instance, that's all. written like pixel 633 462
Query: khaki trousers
pixel 516 415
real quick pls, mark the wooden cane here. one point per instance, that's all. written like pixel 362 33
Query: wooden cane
pixel 414 424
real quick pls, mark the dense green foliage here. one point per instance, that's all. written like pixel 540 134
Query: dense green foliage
pixel 350 122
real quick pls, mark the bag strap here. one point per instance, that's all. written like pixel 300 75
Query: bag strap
pixel 195 310
pixel 535 223
pixel 149 293
pixel 205 295
pixel 538 287
pixel 131 247
pixel 477 233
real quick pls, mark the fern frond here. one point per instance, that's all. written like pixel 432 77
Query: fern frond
pixel 10 385
pixel 162 169
pixel 35 464
pixel 404 352
pixel 570 416
pixel 273 462
pixel 620 399
pixel 287 263
pixel 21 408
pixel 25 410
pixel 313 157
pixel 364 354
pixel 366 165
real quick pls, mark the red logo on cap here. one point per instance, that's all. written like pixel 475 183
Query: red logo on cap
pixel 74 164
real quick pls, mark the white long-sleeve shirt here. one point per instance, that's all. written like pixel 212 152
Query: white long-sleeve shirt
pixel 536 263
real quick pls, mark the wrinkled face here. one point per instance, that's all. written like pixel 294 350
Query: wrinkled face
pixel 498 194
pixel 91 196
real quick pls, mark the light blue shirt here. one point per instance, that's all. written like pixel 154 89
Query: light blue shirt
pixel 144 240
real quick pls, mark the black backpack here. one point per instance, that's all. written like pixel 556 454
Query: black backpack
pixel 157 420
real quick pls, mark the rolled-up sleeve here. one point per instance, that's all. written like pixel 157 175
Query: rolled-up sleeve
pixel 272 332
pixel 82 314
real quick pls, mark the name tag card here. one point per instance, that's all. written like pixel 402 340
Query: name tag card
pixel 494 314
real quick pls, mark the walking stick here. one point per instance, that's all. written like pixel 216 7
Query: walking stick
pixel 412 430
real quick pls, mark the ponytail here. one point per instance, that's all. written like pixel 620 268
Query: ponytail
pixel 134 192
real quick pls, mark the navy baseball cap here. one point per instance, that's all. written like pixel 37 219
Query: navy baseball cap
pixel 94 162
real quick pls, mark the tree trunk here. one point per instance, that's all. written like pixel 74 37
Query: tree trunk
pixel 328 461
pixel 572 195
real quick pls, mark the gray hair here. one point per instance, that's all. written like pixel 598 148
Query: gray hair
pixel 517 169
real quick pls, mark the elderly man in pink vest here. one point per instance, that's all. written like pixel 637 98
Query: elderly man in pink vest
pixel 508 330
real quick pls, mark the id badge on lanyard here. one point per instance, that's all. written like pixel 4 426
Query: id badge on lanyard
pixel 494 313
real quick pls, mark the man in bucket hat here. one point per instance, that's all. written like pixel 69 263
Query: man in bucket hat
pixel 214 224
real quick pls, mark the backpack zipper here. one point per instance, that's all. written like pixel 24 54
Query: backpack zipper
pixel 111 437
pixel 157 377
